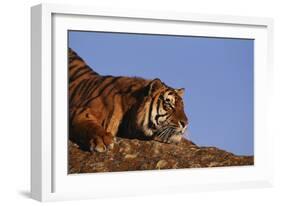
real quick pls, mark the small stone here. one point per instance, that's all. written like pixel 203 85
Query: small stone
pixel 161 164
pixel 124 147
pixel 130 156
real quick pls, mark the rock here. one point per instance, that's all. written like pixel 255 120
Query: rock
pixel 134 154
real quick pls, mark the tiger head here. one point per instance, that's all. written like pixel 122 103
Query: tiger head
pixel 161 114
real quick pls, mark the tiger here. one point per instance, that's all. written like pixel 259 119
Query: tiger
pixel 103 107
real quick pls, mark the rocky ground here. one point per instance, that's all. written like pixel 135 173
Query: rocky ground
pixel 134 154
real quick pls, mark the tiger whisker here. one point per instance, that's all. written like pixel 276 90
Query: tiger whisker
pixel 161 131
pixel 163 134
pixel 170 132
pixel 166 136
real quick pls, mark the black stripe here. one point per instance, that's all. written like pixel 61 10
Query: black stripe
pixel 86 84
pixel 70 86
pixel 85 93
pixel 101 90
pixel 160 115
pixel 81 110
pixel 73 66
pixel 75 76
pixel 128 90
pixel 79 69
pixel 75 57
pixel 150 124
pixel 102 124
pixel 96 86
pixel 76 90
pixel 158 105
pixel 110 90
pixel 110 114
pixel 158 108
pixel 114 88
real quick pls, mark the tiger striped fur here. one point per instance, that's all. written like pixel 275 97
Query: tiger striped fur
pixel 102 107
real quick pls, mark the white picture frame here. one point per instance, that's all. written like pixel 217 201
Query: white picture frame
pixel 49 178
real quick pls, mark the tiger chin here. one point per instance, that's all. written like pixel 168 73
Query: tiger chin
pixel 103 107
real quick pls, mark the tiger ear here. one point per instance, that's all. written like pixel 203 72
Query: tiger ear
pixel 180 92
pixel 153 86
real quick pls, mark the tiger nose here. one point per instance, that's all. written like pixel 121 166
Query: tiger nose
pixel 182 123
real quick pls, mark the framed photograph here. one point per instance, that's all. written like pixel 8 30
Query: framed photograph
pixel 135 102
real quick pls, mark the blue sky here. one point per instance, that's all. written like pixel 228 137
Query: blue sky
pixel 217 74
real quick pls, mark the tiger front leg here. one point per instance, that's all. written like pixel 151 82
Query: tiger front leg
pixel 92 136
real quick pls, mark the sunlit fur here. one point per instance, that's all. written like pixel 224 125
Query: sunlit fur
pixel 102 107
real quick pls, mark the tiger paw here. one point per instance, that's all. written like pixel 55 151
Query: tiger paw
pixel 100 148
pixel 109 140
pixel 101 144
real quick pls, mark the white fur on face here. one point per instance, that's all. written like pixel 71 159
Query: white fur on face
pixel 169 98
pixel 154 110
pixel 161 109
